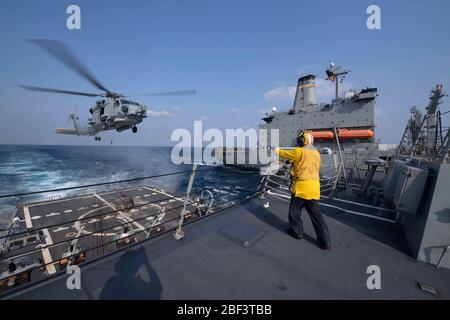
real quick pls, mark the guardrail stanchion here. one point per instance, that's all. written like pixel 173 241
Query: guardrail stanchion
pixel 179 233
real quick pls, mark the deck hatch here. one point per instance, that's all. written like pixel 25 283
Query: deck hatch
pixel 243 233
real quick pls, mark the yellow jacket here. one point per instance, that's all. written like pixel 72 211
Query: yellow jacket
pixel 305 171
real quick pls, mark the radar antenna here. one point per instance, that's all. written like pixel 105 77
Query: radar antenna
pixel 336 74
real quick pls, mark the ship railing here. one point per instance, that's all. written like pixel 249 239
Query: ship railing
pixel 179 195
pixel 100 215
pixel 326 184
pixel 330 184
pixel 281 191
pixel 95 184
pixel 219 205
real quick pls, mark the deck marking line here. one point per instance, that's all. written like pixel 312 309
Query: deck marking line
pixel 52 214
pixel 164 193
pixel 26 213
pixel 60 229
pixel 56 201
pixel 126 189
pixel 46 252
pixel 138 225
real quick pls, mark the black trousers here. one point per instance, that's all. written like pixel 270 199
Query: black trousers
pixel 295 218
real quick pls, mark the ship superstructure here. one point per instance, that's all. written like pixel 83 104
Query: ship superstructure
pixel 350 118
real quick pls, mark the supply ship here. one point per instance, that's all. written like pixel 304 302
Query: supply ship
pixel 385 210
pixel 350 117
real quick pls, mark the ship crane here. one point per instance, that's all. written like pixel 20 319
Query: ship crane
pixel 425 136
pixel 336 74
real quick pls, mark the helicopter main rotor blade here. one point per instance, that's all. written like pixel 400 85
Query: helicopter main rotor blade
pixel 169 93
pixel 60 91
pixel 59 51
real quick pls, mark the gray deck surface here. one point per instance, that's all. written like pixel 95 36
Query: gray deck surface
pixel 80 220
pixel 208 264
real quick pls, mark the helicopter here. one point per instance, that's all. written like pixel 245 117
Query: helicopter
pixel 113 111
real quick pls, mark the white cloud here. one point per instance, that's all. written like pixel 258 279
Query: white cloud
pixel 265 111
pixel 325 91
pixel 250 126
pixel 280 93
pixel 304 69
pixel 177 108
pixel 378 113
pixel 237 111
pixel 159 114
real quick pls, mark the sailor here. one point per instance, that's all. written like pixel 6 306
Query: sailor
pixel 305 189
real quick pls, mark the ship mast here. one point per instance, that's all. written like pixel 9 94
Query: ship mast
pixel 336 74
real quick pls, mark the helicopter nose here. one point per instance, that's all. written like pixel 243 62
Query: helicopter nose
pixel 142 111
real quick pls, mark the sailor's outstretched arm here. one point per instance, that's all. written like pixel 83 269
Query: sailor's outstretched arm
pixel 287 154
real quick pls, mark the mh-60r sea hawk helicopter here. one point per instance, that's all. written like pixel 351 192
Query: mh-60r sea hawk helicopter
pixel 112 112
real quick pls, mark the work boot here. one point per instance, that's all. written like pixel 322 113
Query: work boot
pixel 295 235
pixel 325 245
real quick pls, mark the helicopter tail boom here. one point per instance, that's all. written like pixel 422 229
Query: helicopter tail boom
pixel 76 130
pixel 66 131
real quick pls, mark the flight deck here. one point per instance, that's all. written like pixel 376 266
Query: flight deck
pixel 91 225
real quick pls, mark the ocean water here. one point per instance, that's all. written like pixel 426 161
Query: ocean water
pixel 37 168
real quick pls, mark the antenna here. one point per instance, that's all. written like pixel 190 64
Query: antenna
pixel 336 74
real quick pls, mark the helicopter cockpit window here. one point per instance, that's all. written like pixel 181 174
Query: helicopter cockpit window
pixel 125 102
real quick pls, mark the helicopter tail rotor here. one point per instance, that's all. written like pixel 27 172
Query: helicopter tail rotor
pixel 76 130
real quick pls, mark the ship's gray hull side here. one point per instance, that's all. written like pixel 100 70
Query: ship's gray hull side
pixel 355 113
pixel 428 231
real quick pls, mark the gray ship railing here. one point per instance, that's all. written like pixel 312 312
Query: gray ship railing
pixel 95 184
pixel 221 205
pixel 282 191
pixel 103 244
pixel 108 212
pixel 90 217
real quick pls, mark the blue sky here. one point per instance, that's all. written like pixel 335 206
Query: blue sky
pixel 242 57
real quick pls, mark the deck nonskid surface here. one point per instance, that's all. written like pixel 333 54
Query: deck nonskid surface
pixel 209 265
pixel 64 220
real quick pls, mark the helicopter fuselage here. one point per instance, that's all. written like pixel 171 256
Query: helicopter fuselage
pixel 109 114
pixel 116 114
pixel 112 112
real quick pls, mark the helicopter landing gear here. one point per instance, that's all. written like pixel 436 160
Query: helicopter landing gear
pixel 134 129
pixel 97 138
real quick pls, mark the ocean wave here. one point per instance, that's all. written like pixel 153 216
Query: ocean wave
pixel 36 168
